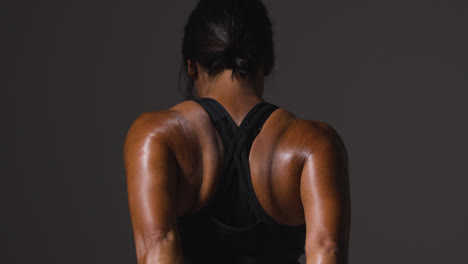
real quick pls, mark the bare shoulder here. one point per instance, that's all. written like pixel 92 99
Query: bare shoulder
pixel 151 124
pixel 161 125
pixel 314 135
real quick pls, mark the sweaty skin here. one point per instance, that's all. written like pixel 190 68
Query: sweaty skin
pixel 173 160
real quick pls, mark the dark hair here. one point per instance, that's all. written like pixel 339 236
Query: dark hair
pixel 228 34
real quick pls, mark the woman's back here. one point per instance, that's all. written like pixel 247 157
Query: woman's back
pixel 275 159
pixel 238 182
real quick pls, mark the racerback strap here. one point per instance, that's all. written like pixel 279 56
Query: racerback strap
pixel 237 141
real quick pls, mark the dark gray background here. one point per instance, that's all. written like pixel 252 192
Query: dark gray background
pixel 389 76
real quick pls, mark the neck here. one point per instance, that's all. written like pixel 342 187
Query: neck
pixel 238 96
pixel 225 86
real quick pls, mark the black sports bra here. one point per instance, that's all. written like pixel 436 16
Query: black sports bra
pixel 234 227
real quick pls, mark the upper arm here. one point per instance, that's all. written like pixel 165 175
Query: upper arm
pixel 151 182
pixel 325 197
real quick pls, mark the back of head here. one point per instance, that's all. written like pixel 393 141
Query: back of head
pixel 228 34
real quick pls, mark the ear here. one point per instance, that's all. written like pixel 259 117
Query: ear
pixel 192 69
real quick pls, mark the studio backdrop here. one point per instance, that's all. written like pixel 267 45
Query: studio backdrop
pixel 390 76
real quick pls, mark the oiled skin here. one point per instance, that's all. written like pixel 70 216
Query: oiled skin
pixel 299 171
